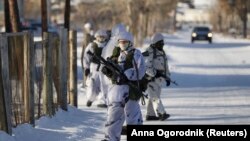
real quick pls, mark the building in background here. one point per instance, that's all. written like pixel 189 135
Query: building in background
pixel 188 17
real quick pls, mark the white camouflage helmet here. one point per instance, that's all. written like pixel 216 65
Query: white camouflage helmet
pixel 156 37
pixel 126 36
pixel 118 29
pixel 101 32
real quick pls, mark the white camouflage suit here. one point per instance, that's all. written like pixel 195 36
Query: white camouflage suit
pixel 107 52
pixel 156 61
pixel 119 105
pixel 93 81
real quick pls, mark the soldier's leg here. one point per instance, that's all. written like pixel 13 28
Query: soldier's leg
pixel 133 114
pixel 154 94
pixel 115 121
pixel 158 106
pixel 151 114
pixel 102 97
pixel 92 90
pixel 150 109
pixel 157 103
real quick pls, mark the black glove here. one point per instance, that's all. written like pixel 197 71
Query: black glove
pixel 106 71
pixel 167 83
pixel 86 72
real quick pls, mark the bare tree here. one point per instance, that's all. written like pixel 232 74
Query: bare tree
pixel 32 9
pixel 232 11
pixel 241 6
pixel 14 16
pixel 144 14
pixel 143 17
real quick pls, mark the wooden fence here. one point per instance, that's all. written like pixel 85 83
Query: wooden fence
pixel 36 78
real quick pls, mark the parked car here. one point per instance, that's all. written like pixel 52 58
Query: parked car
pixel 201 33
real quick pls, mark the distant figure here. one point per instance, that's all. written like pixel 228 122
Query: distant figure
pixel 87 38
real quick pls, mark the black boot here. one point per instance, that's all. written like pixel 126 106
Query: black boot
pixel 124 130
pixel 164 116
pixel 102 105
pixel 89 103
pixel 148 118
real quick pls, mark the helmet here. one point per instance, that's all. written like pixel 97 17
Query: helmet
pixel 87 26
pixel 156 37
pixel 118 29
pixel 125 36
pixel 101 32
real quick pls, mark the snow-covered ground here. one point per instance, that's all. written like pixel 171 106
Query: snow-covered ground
pixel 214 88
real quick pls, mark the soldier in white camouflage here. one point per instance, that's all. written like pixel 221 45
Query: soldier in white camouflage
pixel 91 70
pixel 157 72
pixel 121 103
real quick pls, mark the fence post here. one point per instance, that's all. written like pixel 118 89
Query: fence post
pixel 5 93
pixel 16 74
pixel 28 81
pixel 72 68
pixel 47 90
pixel 55 68
pixel 32 77
pixel 62 99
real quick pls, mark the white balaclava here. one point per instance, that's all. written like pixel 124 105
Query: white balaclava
pixel 125 40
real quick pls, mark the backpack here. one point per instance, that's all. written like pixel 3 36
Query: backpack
pixel 141 84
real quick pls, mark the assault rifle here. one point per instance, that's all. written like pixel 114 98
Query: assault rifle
pixel 116 70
